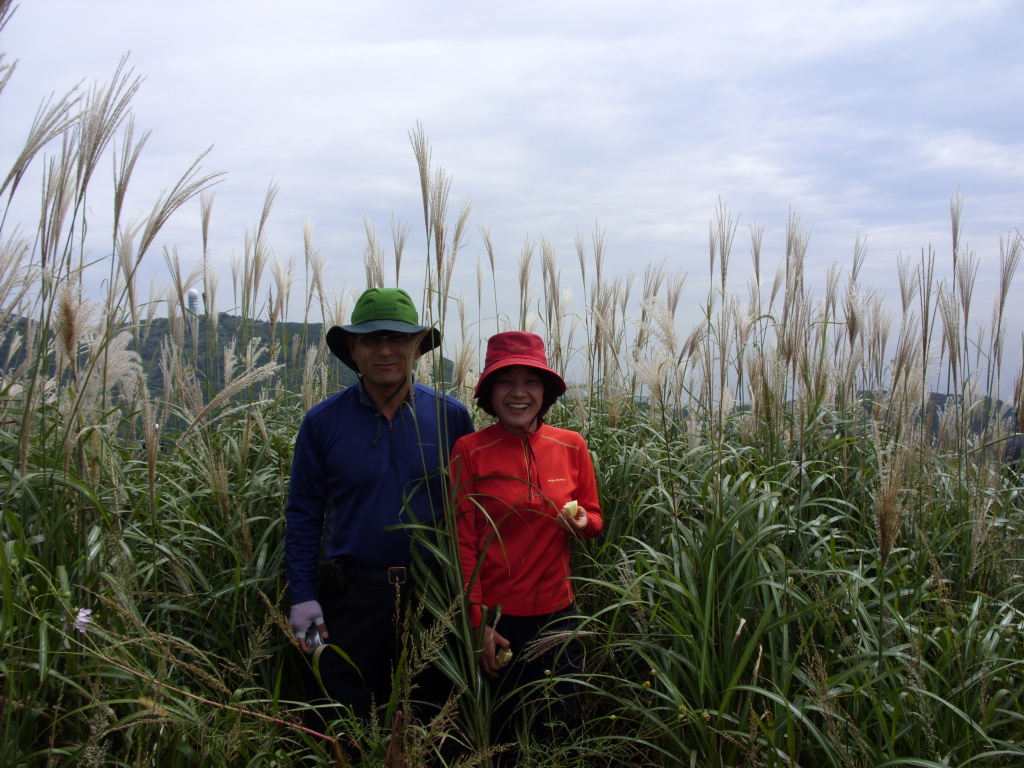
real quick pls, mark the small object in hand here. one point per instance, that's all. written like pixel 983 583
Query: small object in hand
pixel 572 508
pixel 313 638
pixel 503 657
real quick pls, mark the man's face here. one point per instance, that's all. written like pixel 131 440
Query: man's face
pixel 384 358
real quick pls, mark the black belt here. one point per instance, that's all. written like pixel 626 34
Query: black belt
pixel 396 574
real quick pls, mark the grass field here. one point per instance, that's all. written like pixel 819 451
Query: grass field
pixel 808 560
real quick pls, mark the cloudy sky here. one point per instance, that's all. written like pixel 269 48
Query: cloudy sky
pixel 557 117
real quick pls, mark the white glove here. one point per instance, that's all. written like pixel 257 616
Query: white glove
pixel 304 614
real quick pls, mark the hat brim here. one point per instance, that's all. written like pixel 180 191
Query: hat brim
pixel 529 363
pixel 337 344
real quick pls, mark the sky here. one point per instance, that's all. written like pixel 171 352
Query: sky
pixel 557 118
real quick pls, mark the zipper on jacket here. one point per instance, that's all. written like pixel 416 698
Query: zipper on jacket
pixel 391 445
pixel 528 454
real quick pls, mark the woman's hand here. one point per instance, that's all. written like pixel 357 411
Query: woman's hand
pixel 493 641
pixel 574 525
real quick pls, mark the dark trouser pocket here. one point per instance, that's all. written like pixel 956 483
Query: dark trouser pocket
pixel 333 578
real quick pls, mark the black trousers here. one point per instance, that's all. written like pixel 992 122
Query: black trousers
pixel 541 693
pixel 358 672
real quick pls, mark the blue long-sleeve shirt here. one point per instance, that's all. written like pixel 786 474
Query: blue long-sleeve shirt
pixel 355 474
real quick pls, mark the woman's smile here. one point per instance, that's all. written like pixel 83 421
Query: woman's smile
pixel 517 397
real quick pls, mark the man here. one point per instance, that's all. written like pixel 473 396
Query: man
pixel 368 460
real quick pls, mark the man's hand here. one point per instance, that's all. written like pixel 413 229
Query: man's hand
pixel 304 614
pixel 488 651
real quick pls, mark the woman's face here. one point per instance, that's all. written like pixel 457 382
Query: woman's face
pixel 517 397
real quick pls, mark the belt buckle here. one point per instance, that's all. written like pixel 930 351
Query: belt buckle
pixel 396 574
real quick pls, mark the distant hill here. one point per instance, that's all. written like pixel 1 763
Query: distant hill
pixel 205 351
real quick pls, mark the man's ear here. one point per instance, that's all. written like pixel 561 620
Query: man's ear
pixel 350 342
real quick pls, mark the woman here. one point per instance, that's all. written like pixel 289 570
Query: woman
pixel 513 481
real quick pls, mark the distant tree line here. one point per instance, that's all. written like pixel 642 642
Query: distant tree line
pixel 203 347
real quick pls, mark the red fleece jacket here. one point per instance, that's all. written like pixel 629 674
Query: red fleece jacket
pixel 508 491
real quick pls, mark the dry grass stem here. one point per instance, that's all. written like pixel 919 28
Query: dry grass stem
pixel 399 237
pixel 373 257
pixel 526 254
pixel 188 186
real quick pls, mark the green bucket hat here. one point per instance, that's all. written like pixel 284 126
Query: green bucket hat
pixel 381 309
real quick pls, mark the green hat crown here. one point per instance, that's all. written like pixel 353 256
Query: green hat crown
pixel 385 304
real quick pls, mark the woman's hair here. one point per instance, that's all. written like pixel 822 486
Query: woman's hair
pixel 552 391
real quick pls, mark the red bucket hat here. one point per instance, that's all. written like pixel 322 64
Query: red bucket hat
pixel 517 348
